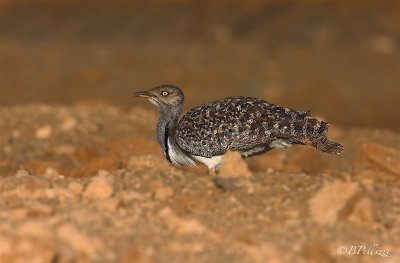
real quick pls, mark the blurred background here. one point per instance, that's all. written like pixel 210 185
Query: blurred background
pixel 340 59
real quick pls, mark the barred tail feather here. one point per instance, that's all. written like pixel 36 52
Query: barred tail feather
pixel 325 145
pixel 315 134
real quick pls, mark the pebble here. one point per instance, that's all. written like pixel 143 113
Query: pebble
pixel 68 124
pixel 16 134
pixel 44 132
pixel 52 173
pixel 330 199
pixel 100 187
pixel 75 188
pixel 233 165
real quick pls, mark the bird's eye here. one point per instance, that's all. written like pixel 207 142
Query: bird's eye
pixel 165 93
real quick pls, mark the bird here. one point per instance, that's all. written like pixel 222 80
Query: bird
pixel 248 125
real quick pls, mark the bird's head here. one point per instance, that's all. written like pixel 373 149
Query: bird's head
pixel 164 97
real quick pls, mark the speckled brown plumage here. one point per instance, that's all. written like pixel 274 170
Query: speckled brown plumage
pixel 241 123
pixel 248 125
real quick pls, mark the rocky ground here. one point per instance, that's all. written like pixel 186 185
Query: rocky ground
pixel 88 183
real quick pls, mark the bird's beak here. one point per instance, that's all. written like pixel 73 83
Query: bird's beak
pixel 144 94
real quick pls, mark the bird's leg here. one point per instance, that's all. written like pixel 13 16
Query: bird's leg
pixel 212 171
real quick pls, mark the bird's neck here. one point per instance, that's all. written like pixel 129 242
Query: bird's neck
pixel 165 127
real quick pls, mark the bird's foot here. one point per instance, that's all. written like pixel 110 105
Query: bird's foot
pixel 212 171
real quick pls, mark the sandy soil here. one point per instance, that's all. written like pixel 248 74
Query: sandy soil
pixel 87 183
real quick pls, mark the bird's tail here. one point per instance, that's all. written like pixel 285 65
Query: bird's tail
pixel 316 136
pixel 325 145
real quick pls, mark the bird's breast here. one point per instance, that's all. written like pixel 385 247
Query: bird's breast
pixel 179 157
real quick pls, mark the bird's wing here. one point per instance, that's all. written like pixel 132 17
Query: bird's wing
pixel 239 124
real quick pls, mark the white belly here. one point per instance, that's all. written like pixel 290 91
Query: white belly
pixel 279 144
pixel 179 158
pixel 211 163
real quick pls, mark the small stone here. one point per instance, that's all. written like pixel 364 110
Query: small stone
pixel 68 124
pixel 100 187
pixel 52 173
pixel 75 188
pixel 234 166
pixel 44 132
pixel 49 193
pixel 16 134
pixel 326 204
pixel 270 170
